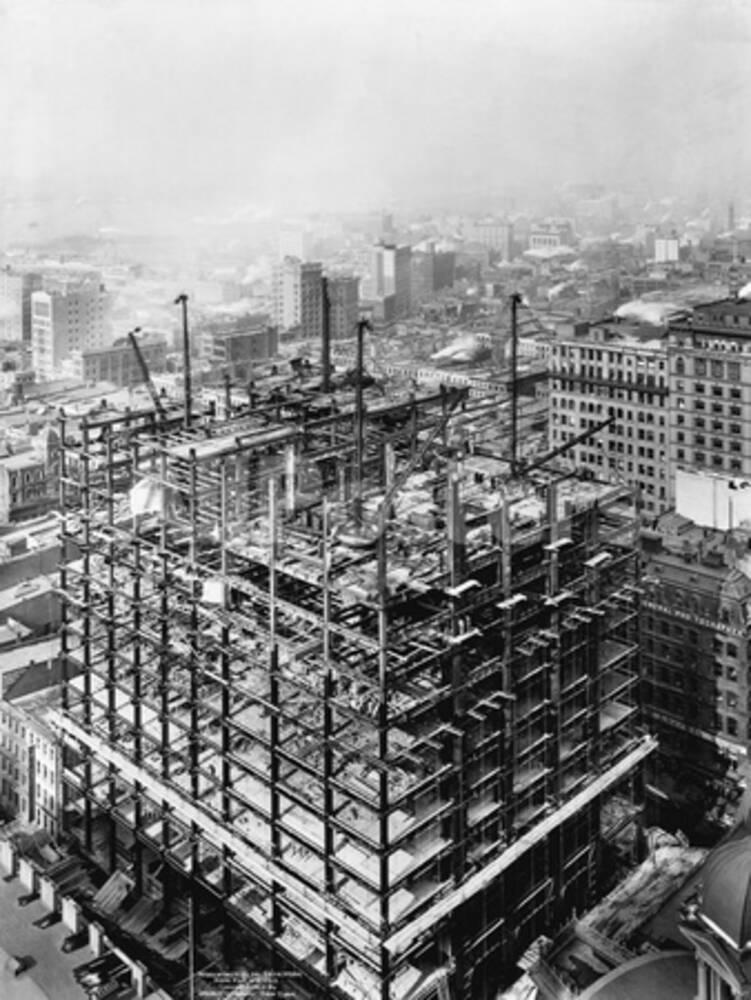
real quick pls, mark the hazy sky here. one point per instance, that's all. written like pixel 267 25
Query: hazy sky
pixel 298 103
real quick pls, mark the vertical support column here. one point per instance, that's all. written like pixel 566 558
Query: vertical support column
pixel 290 477
pixel 359 422
pixel 553 725
pixel 87 636
pixel 137 679
pixel 64 544
pixel 165 674
pixel 195 669
pixel 226 710
pixel 274 700
pixel 455 529
pixel 329 832
pixel 383 746
pixel 112 650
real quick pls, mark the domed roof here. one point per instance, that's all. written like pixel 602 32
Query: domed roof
pixel 668 975
pixel 726 891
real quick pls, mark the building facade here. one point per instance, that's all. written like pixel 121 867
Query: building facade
pixel 235 347
pixel 617 370
pixel 391 274
pixel 496 234
pixel 298 298
pixel 29 479
pixel 344 305
pixel 74 317
pixel 422 277
pixel 119 365
pixel 695 658
pixel 710 389
pixel 16 289
pixel 551 234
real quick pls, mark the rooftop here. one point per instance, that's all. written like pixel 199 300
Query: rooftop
pixel 668 975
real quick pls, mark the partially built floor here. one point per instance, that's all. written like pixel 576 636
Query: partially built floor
pixel 340 690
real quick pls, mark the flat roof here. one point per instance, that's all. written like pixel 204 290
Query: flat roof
pixel 33 652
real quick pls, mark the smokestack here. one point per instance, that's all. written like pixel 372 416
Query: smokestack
pixel 731 216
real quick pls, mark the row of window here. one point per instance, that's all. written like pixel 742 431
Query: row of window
pixel 713 461
pixel 731 370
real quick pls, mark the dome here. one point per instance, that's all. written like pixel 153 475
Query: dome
pixel 726 892
pixel 668 975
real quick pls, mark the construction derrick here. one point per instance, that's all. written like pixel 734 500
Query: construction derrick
pixel 370 751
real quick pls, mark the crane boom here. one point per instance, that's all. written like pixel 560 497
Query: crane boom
pixel 590 432
pixel 145 372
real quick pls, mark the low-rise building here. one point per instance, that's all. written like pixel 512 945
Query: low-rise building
pixel 234 346
pixel 551 234
pixel 119 365
pixel 31 761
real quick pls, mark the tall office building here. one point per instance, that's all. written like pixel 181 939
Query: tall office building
pixel 344 305
pixel 295 240
pixel 72 317
pixel 423 276
pixel 15 303
pixel 619 370
pixel 391 274
pixel 298 297
pixel 710 389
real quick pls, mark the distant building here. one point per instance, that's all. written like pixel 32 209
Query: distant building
pixel 298 297
pixel 344 305
pixel 235 346
pixel 496 234
pixel 422 277
pixel 118 364
pixel 16 289
pixel 667 250
pixel 619 370
pixel 710 401
pixel 550 234
pixel 75 317
pixel 29 481
pixel 444 269
pixel 295 241
pixel 381 312
pixel 391 274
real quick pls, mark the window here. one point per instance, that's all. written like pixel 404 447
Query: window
pixel 699 387
pixel 734 371
pixel 717 369
pixel 732 725
pixel 700 366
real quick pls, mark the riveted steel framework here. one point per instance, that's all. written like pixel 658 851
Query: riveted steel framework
pixel 356 705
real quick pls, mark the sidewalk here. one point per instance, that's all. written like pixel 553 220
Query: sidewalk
pixel 51 977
